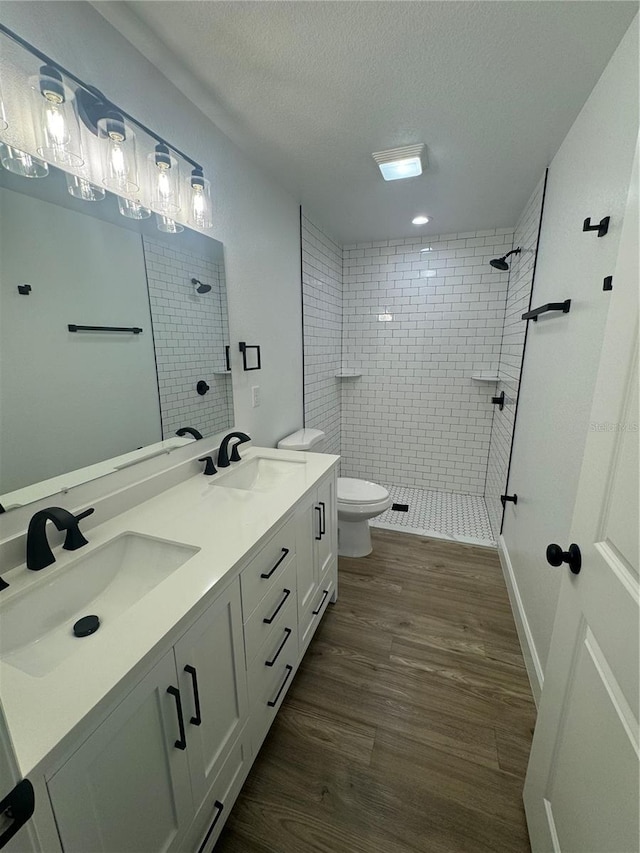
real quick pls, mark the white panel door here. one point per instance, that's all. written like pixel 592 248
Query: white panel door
pixel 582 792
pixel 127 788
pixel 210 662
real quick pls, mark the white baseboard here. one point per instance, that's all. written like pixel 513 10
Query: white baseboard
pixel 529 652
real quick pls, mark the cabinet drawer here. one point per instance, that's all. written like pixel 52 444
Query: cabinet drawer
pixel 268 684
pixel 259 576
pixel 271 610
pixel 314 612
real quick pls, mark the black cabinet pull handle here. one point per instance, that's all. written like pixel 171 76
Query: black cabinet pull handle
pixel 323 528
pixel 197 720
pixel 565 307
pixel 287 634
pixel 273 702
pixel 315 612
pixel 573 558
pixel 511 498
pixel 181 743
pixel 269 620
pixel 318 535
pixel 266 575
pixel 219 806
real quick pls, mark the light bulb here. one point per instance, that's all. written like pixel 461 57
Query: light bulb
pixel 164 177
pixel 118 155
pixel 83 189
pixel 200 206
pixel 163 184
pixel 117 163
pixel 57 130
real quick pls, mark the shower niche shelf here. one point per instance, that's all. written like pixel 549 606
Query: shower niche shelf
pixel 348 374
pixel 485 377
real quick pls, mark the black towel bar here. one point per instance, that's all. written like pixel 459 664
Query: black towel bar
pixel 550 306
pixel 134 330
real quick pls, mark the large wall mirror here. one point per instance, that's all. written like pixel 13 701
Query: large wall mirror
pixel 70 401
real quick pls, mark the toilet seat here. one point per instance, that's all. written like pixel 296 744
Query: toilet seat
pixel 354 491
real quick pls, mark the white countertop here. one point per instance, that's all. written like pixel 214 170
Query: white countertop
pixel 225 524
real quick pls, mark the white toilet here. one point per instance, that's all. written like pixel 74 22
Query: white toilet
pixel 358 500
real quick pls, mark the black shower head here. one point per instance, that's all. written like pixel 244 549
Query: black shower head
pixel 200 287
pixel 501 263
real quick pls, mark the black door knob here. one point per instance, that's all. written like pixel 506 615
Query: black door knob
pixel 556 557
pixel 202 387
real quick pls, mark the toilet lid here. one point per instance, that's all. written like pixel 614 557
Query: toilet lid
pixel 352 491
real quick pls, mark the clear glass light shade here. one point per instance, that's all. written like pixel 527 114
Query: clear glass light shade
pixel 83 189
pixel 164 181
pixel 200 204
pixel 168 225
pixel 56 123
pixel 133 208
pixel 119 167
pixel 21 163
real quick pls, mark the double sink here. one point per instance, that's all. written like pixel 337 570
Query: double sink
pixel 37 624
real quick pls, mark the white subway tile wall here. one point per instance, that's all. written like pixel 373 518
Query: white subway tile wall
pixel 322 319
pixel 416 418
pixel 510 361
pixel 190 331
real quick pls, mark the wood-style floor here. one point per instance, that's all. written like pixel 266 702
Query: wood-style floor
pixel 409 722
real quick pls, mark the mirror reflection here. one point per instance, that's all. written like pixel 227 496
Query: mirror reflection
pixel 72 397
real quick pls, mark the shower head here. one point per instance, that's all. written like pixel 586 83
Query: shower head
pixel 501 263
pixel 200 287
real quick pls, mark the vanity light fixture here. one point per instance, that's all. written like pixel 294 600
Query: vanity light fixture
pixel 398 163
pixel 22 163
pixel 420 220
pixel 56 123
pixel 75 124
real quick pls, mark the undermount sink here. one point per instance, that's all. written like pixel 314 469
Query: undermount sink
pixel 36 627
pixel 259 474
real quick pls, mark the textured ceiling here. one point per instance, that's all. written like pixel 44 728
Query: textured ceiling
pixel 310 89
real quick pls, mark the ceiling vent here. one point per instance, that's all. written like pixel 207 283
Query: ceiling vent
pixel 398 163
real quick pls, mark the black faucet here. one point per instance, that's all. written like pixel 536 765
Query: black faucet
pixel 223 453
pixel 189 431
pixel 209 467
pixel 39 553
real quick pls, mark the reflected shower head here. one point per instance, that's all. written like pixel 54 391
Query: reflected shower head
pixel 200 287
pixel 501 263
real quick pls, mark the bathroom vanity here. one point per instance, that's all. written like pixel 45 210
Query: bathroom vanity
pixel 139 736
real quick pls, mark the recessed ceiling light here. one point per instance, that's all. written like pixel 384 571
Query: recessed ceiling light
pixel 420 220
pixel 398 163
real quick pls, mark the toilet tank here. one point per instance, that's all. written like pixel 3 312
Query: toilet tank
pixel 303 439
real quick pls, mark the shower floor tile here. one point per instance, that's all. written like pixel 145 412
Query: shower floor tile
pixel 444 515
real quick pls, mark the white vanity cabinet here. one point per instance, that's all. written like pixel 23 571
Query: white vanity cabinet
pixel 317 549
pixel 140 778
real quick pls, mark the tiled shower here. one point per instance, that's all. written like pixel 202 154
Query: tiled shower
pixel 424 326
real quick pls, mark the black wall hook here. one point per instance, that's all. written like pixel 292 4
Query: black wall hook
pixel 24 289
pixel 607 282
pixel 202 387
pixel 602 227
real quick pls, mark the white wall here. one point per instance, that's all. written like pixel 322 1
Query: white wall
pixel 63 393
pixel 589 176
pixel 416 417
pixel 520 274
pixel 322 312
pixel 257 221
